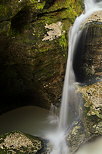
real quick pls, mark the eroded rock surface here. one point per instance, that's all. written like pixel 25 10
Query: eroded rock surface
pixel 17 142
pixel 33 50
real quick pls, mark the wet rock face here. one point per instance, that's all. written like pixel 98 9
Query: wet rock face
pixel 88 70
pixel 33 50
pixel 88 66
pixel 88 57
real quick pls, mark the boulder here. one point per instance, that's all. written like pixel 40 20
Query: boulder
pixel 18 142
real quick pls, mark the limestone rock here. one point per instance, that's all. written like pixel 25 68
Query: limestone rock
pixel 92 95
pixel 18 142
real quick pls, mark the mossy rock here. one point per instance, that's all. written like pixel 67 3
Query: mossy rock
pixel 88 70
pixel 20 143
pixel 87 64
pixel 33 40
pixel 83 131
pixel 92 96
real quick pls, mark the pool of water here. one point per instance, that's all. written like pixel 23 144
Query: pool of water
pixel 29 119
pixel 34 120
pixel 94 147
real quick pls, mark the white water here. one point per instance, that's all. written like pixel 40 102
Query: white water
pixel 69 95
pixel 58 138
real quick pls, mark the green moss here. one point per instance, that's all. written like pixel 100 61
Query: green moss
pixel 37 5
pixel 5 27
pixel 40 6
pixel 63 41
pixel 7 11
pixel 46 59
pixel 33 1
pixel 4 11
pixel 73 5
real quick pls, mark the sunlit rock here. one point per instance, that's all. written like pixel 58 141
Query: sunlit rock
pixel 17 142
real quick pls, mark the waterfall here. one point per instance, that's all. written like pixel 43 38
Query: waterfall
pixel 69 97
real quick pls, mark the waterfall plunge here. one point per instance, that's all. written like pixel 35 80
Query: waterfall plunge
pixel 58 138
pixel 69 96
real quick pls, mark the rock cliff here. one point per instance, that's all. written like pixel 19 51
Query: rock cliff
pixel 33 50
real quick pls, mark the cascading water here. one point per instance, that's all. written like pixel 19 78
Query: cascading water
pixel 69 97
